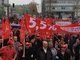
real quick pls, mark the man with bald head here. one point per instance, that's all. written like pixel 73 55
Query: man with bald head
pixel 45 45
pixel 45 53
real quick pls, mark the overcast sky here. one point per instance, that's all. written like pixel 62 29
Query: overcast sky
pixel 21 2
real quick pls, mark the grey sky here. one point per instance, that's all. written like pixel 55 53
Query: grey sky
pixel 21 2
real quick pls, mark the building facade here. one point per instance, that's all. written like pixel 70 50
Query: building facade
pixel 4 1
pixel 5 4
pixel 60 8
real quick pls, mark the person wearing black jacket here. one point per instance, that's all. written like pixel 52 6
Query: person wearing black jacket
pixel 45 52
pixel 20 53
pixel 64 53
pixel 76 49
pixel 30 52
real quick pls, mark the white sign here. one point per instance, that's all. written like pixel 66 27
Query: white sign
pixel 62 23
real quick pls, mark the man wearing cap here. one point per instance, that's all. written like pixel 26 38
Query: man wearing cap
pixel 8 52
pixel 63 54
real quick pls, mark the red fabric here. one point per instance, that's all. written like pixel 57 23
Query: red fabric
pixel 48 21
pixel 38 20
pixel 46 28
pixel 3 29
pixel 63 46
pixel 30 24
pixel 49 27
pixel 22 36
pixel 6 29
pixel 6 53
pixel 70 29
pixel 27 18
pixel 22 31
pixel 43 27
pixel 23 24
pixel 10 42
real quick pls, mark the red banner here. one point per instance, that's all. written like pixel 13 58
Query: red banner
pixel 45 27
pixel 71 29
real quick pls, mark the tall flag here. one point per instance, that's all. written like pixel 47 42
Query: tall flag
pixel 22 31
pixel 6 29
pixel 31 24
pixel 3 29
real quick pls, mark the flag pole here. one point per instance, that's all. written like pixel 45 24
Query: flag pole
pixel 24 49
pixel 2 42
pixel 57 37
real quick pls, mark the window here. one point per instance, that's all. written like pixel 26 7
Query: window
pixel 54 1
pixel 53 7
pixel 62 7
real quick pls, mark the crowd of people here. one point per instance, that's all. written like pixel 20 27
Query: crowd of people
pixel 36 48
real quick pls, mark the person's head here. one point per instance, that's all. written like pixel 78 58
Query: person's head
pixel 15 38
pixel 50 45
pixel 32 40
pixel 48 38
pixel 27 45
pixel 56 43
pixel 30 45
pixel 38 36
pixel 66 46
pixel 78 41
pixel 45 44
pixel 63 47
pixel 20 46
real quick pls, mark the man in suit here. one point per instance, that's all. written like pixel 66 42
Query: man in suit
pixel 53 50
pixel 44 52
pixel 76 49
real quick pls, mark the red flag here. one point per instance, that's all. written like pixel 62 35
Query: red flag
pixel 22 36
pixel 49 27
pixel 23 24
pixel 31 24
pixel 22 31
pixel 3 29
pixel 6 28
pixel 43 27
pixel 38 20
